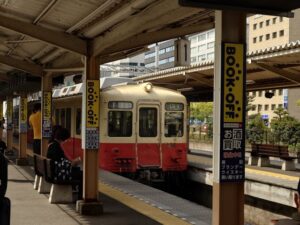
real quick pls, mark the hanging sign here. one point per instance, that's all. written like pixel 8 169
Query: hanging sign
pixel 23 115
pixel 232 152
pixel 47 114
pixel 92 114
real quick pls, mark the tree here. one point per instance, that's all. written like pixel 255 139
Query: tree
pixel 255 129
pixel 278 123
pixel 201 110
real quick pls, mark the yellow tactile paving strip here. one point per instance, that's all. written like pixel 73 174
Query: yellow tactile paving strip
pixel 272 174
pixel 140 206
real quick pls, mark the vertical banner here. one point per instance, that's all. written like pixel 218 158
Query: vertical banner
pixel 9 113
pixel 47 114
pixel 92 114
pixel 23 115
pixel 232 140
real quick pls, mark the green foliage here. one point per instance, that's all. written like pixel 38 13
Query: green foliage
pixel 255 129
pixel 250 99
pixel 201 110
pixel 285 129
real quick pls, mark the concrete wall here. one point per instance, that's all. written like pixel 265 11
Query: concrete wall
pixel 293 97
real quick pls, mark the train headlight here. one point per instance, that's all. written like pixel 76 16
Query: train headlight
pixel 148 87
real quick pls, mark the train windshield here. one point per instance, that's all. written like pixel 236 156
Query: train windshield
pixel 173 124
pixel 119 123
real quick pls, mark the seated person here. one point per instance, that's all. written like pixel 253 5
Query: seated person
pixel 2 146
pixel 56 153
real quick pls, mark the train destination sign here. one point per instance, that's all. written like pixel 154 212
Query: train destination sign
pixel 47 114
pixel 92 114
pixel 23 115
pixel 232 152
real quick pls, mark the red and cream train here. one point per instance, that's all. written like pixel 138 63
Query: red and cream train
pixel 142 127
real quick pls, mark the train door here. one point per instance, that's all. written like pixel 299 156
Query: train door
pixel 148 135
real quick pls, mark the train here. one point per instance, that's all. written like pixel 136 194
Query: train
pixel 143 128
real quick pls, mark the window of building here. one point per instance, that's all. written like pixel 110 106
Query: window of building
pixel 259 93
pixel 253 107
pixel 260 38
pixel 281 33
pixel 162 51
pixel 273 106
pixel 266 107
pixel 150 65
pixel 254 40
pixel 254 93
pixel 259 107
pixel 194 39
pixel 201 57
pixel 149 55
pixel 202 37
pixel 274 20
pixel 274 35
pixel 211 34
pixel 211 55
pixel 280 92
pixel 267 36
pixel 193 59
pixel 202 47
pixel 148 122
pixel 193 50
pixel 280 19
pixel 119 123
pixel 210 45
pixel 280 105
pixel 267 22
pixel 261 24
pixel 170 49
pixel 164 61
pixel 274 92
pixel 254 26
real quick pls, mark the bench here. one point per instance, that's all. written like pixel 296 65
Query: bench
pixel 39 182
pixel 61 191
pixel 260 154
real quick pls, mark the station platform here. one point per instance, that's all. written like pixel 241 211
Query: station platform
pixel 125 202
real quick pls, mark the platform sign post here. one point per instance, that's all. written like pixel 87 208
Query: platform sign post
pixel 92 115
pixel 23 115
pixel 229 118
pixel 9 124
pixel 232 129
pixel 47 114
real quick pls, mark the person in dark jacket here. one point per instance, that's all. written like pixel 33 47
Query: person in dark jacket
pixel 56 153
pixel 3 176
pixel 296 216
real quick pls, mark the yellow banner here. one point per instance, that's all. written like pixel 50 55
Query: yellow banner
pixel 92 103
pixel 233 80
pixel 47 105
pixel 23 110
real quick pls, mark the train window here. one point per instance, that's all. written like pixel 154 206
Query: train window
pixel 68 119
pixel 120 105
pixel 148 122
pixel 78 121
pixel 119 123
pixel 173 124
pixel 172 106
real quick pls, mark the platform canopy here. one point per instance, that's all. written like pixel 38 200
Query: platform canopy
pixel 42 36
pixel 276 67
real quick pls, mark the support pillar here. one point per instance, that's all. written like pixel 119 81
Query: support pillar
pixel 229 118
pixel 22 160
pixel 46 118
pixel 90 205
pixel 9 124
